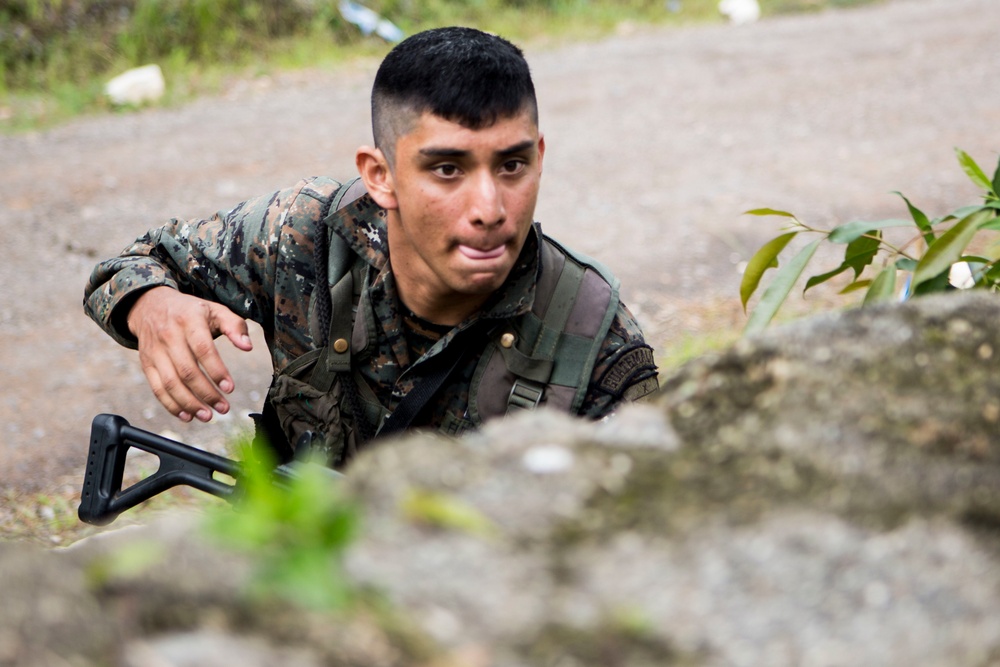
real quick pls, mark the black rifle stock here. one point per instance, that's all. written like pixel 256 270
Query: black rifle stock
pixel 111 436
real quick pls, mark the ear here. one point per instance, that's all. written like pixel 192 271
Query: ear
pixel 375 172
pixel 541 151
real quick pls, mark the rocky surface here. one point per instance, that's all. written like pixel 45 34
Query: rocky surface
pixel 827 493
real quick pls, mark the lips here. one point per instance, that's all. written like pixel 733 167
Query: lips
pixel 475 253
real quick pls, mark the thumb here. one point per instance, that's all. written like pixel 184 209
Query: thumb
pixel 232 326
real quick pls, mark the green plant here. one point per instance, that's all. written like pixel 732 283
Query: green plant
pixel 296 533
pixel 56 55
pixel 933 257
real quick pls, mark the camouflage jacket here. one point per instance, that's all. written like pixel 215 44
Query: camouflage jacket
pixel 258 260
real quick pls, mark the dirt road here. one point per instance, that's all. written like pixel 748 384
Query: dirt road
pixel 657 140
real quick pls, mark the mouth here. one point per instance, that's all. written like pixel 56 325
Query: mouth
pixel 477 254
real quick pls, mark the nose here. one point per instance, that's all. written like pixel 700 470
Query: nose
pixel 486 205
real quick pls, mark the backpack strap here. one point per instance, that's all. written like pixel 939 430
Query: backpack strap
pixel 547 356
pixel 344 269
pixel 533 373
pixel 343 277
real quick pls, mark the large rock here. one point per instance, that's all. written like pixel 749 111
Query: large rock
pixel 827 493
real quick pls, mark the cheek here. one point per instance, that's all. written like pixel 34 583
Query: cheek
pixel 438 212
pixel 426 221
pixel 420 199
pixel 525 199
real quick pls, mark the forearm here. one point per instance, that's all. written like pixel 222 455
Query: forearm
pixel 227 259
pixel 256 259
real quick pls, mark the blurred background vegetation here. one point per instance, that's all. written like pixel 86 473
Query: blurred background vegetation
pixel 56 55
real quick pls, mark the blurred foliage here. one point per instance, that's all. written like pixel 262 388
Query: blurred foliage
pixel 296 529
pixel 58 53
pixel 45 42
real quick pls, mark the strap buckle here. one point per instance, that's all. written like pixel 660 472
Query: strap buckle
pixel 525 395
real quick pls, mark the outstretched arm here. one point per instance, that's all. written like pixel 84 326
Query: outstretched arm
pixel 177 288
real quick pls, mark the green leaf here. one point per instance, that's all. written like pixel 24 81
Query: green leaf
pixel 817 280
pixel 779 288
pixel 850 231
pixel 960 213
pixel 861 252
pixel 973 170
pixel 883 287
pixel 949 248
pixel 920 219
pixel 996 180
pixel 763 259
pixel 993 275
pixel 855 286
pixel 768 211
pixel 906 264
pixel 935 285
pixel 993 224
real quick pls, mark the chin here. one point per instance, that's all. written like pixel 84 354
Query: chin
pixel 482 286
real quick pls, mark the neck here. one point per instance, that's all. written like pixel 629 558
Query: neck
pixel 444 311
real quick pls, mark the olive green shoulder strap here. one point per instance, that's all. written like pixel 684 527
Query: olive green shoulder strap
pixel 548 355
pixel 344 282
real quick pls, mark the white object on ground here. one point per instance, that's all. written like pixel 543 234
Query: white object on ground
pixel 740 11
pixel 136 86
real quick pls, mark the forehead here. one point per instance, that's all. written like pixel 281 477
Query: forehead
pixel 428 131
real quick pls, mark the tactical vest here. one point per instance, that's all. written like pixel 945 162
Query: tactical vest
pixel 542 358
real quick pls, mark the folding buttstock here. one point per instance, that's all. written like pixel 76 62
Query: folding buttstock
pixel 111 436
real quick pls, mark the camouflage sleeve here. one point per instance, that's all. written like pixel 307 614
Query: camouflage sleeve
pixel 245 258
pixel 625 369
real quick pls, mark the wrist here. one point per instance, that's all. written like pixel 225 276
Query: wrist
pixel 129 310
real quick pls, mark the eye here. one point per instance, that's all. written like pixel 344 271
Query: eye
pixel 445 170
pixel 511 167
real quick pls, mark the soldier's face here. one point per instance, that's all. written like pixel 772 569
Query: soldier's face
pixel 464 203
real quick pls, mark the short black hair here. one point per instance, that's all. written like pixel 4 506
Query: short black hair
pixel 460 74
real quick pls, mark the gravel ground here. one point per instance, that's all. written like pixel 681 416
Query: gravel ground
pixel 657 140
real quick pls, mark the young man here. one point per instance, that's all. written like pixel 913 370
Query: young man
pixel 420 295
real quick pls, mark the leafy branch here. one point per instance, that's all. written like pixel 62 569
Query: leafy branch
pixel 936 257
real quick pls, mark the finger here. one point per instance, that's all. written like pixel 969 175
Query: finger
pixel 160 392
pixel 235 329
pixel 181 385
pixel 225 322
pixel 198 370
pixel 206 354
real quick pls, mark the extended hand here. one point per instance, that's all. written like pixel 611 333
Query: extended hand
pixel 176 334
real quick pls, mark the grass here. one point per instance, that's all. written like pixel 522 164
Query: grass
pixel 68 87
pixel 50 520
pixel 691 346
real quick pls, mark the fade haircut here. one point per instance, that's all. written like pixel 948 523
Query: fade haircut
pixel 459 74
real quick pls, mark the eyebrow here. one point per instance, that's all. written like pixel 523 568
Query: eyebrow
pixel 457 152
